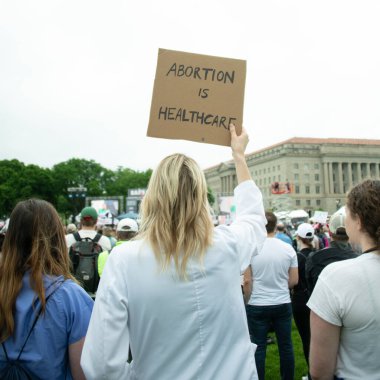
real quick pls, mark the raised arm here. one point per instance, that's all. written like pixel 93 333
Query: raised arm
pixel 247 232
pixel 238 146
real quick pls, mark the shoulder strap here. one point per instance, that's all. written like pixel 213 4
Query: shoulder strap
pixel 96 238
pixel 77 236
pixel 34 323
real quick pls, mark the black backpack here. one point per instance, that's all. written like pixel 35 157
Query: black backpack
pixel 14 369
pixel 84 255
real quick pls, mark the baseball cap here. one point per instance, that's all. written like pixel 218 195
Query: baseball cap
pixel 305 230
pixel 89 212
pixel 127 225
pixel 337 223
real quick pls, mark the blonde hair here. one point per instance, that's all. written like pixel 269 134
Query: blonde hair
pixel 175 213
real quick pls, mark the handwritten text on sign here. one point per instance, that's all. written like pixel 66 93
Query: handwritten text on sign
pixel 194 93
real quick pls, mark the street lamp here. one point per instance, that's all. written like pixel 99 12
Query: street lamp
pixel 77 195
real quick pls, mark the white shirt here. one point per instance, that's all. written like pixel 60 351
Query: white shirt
pixel 104 242
pixel 270 273
pixel 347 295
pixel 182 330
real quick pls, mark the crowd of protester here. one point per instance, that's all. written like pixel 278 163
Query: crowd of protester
pixel 168 292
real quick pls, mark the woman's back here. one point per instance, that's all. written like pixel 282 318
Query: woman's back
pixel 178 329
pixel 185 329
pixel 45 354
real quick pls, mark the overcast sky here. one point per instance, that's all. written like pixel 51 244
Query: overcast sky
pixel 76 77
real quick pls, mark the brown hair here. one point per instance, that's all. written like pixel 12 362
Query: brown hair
pixel 35 241
pixel 307 241
pixel 88 222
pixel 272 221
pixel 363 201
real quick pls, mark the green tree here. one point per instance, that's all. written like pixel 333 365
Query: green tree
pixel 210 196
pixel 19 182
pixel 125 179
pixel 79 173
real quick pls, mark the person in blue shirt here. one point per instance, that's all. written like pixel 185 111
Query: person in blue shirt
pixel 35 275
pixel 282 235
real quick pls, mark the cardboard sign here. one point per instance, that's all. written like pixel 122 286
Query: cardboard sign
pixel 196 97
pixel 320 217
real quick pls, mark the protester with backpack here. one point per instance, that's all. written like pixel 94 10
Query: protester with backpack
pixel 44 314
pixel 84 249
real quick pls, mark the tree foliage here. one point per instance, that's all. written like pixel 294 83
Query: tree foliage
pixel 19 182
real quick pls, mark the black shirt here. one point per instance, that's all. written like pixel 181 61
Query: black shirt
pixel 318 260
pixel 300 294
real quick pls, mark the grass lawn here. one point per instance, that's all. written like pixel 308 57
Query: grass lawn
pixel 272 364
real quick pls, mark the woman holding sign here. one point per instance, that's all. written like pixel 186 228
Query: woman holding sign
pixel 174 293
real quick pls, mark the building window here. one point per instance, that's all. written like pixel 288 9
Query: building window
pixel 317 189
pixel 274 179
pixel 265 171
pixel 305 167
pixel 298 202
pixel 297 189
pixel 296 177
pixel 306 177
pixel 316 166
pixel 274 168
pixel 268 170
pixel 278 167
pixel 307 189
pixel 295 166
pixel 318 202
pixel 279 178
pixel 316 177
pixel 308 202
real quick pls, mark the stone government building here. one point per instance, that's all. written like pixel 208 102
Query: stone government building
pixel 303 173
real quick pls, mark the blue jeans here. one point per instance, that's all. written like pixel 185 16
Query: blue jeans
pixel 260 320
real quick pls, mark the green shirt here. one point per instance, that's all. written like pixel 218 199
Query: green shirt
pixel 103 256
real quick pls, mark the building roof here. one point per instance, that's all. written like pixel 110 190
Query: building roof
pixel 310 140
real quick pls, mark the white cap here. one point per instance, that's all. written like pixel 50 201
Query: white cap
pixel 127 225
pixel 305 230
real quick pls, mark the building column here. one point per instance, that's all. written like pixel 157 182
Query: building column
pixel 326 178
pixel 331 178
pixel 359 172
pixel 340 178
pixel 377 171
pixel 349 173
pixel 367 169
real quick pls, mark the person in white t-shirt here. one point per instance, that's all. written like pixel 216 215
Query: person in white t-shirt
pixel 345 303
pixel 273 272
pixel 89 217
